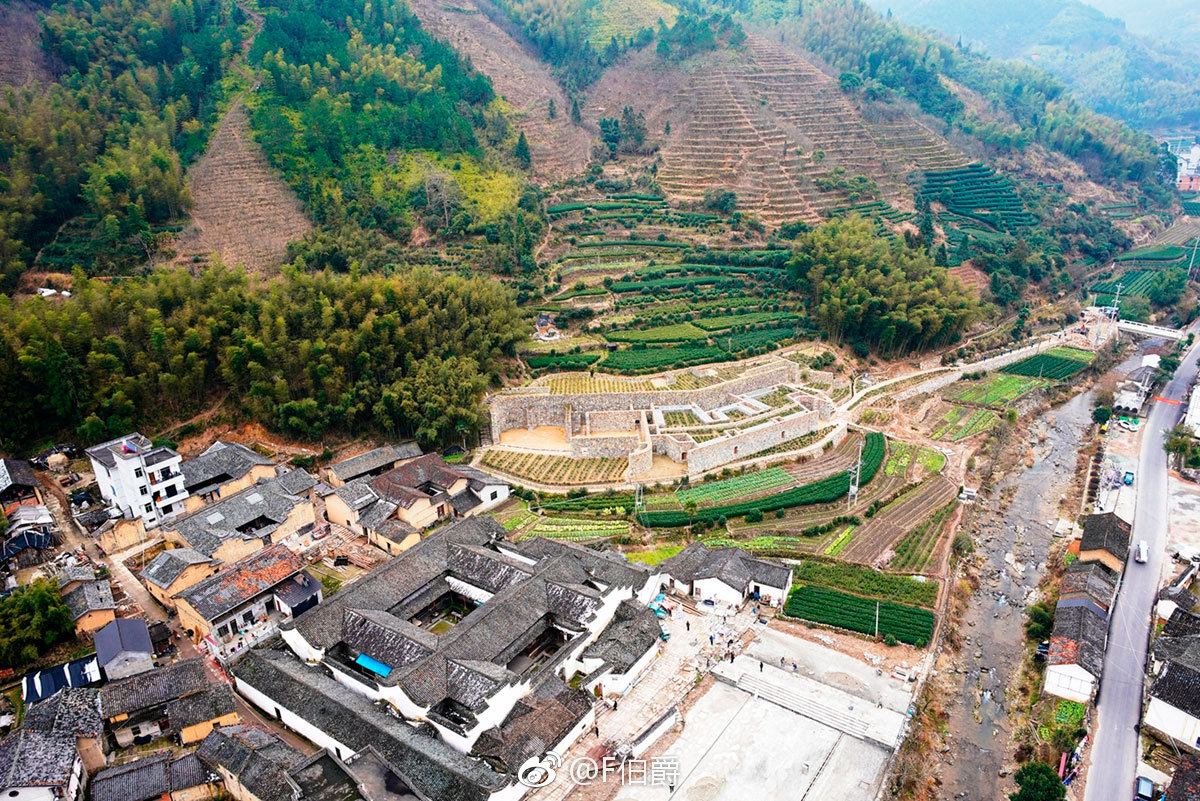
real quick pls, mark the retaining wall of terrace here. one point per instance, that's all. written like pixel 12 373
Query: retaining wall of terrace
pixel 528 409
pixel 749 441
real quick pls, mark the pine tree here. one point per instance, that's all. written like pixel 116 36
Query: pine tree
pixel 522 151
pixel 551 110
pixel 576 115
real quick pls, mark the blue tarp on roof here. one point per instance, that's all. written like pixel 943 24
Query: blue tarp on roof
pixel 373 665
pixel 27 539
pixel 45 683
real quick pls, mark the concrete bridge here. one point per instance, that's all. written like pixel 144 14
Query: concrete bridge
pixel 1145 330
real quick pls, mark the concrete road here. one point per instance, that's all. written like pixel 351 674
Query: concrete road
pixel 1115 751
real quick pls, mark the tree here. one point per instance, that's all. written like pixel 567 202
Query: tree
pixel 633 130
pixel 522 150
pixel 1039 621
pixel 722 201
pixel 32 620
pixel 850 81
pixel 1101 415
pixel 576 114
pixel 610 133
pixel 1038 782
pixel 551 109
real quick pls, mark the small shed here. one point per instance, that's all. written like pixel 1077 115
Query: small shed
pixel 123 648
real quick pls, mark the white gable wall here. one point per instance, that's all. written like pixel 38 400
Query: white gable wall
pixel 1072 682
pixel 1173 722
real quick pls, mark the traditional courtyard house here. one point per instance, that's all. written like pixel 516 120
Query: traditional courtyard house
pixel 139 479
pixel 18 485
pixel 242 606
pixel 370 464
pixel 176 699
pixel 1105 539
pixel 390 509
pixel 726 575
pixel 123 648
pixel 156 778
pixel 237 525
pixel 92 606
pixel 472 635
pixel 173 571
pixel 223 469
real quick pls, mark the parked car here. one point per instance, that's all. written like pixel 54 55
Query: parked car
pixel 1128 477
pixel 1144 789
pixel 1142 553
pixel 1129 425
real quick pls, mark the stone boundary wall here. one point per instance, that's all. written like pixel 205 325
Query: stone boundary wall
pixel 602 447
pixel 528 410
pixel 749 441
pixel 641 458
pixel 621 420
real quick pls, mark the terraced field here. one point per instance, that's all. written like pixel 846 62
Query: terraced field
pixel 243 210
pixel 961 422
pixel 995 390
pixel 576 529
pixel 560 470
pixel 1054 364
pixel 784 137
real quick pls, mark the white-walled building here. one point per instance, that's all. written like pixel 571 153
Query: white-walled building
pixel 726 575
pixel 473 636
pixel 139 479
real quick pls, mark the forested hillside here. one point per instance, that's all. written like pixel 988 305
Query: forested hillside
pixel 108 141
pixel 406 355
pixel 1145 82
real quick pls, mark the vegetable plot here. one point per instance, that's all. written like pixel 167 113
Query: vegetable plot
pixel 820 605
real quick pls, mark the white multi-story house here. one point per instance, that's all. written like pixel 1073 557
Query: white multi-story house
pixel 139 479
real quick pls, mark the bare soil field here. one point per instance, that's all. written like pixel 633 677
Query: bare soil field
pixel 21 58
pixel 243 210
pixel 557 146
pixel 879 534
pixel 972 277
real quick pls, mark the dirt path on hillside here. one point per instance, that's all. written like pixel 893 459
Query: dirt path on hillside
pixel 22 59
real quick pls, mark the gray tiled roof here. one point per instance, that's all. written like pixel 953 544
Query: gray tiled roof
pixel 1106 532
pixel 298 589
pixel 139 780
pixel 1078 638
pixel 168 566
pixel 1092 580
pixel 220 463
pixel 355 466
pixel 153 688
pixel 242 582
pixel 733 566
pixel 213 702
pixel 151 777
pixel 1179 686
pixel 634 630
pixel 121 636
pixel 76 573
pixel 30 758
pixel 536 723
pixel 16 473
pixel 258 759
pixel 431 766
pixel 551 581
pixel 91 596
pixel 71 710
pixel 266 503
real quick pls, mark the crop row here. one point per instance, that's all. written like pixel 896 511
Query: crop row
pixel 994 390
pixel 916 549
pixel 825 490
pixel 560 528
pixel 549 469
pixel 1046 365
pixel 654 359
pixel 1134 282
pixel 869 582
pixel 716 492
pixel 877 618
pixel 563 361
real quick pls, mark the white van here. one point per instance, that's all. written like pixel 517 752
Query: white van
pixel 1142 553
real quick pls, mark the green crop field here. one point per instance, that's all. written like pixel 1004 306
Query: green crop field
pixel 867 581
pixel 1134 282
pixel 1154 253
pixel 917 548
pixel 980 194
pixel 751 318
pixel 563 361
pixel 995 390
pixel 826 490
pixel 582 530
pixel 679 332
pixel 715 492
pixel 822 605
pixel 655 359
pixel 1055 364
pixel 962 422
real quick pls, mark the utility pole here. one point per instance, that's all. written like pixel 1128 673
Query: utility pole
pixel 852 494
pixel 877 620
pixel 1192 263
pixel 1117 301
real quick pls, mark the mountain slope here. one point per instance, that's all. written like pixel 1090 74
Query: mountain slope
pixel 1115 72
